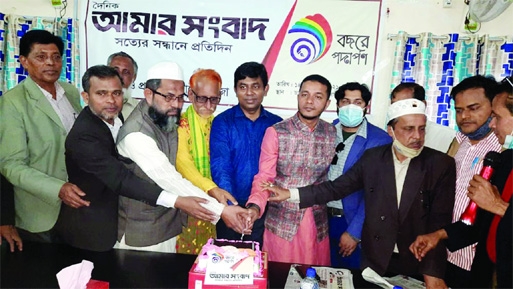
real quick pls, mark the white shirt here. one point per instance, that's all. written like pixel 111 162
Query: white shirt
pixel 143 150
pixel 400 170
pixel 61 106
pixel 114 128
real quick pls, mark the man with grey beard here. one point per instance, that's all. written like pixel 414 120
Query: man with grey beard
pixel 127 68
pixel 149 138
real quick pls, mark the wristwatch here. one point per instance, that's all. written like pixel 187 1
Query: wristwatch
pixel 251 205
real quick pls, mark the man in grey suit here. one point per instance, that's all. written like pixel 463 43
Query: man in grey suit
pixel 37 114
pixel 408 191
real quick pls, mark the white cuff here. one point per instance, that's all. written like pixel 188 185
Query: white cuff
pixel 215 207
pixel 167 199
pixel 294 196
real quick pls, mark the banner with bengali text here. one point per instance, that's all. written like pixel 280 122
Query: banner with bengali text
pixel 292 38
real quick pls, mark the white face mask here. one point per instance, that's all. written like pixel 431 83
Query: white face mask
pixel 350 115
pixel 404 150
pixel 508 141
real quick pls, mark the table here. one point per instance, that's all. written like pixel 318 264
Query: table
pixel 37 265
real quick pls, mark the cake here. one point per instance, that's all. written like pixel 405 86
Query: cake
pixel 240 256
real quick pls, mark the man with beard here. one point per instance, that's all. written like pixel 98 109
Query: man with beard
pixel 296 152
pixel 126 66
pixel 90 221
pixel 408 191
pixel 149 138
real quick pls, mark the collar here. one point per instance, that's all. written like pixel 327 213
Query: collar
pixel 302 126
pixel 460 138
pixel 240 113
pixel 59 92
pixel 114 128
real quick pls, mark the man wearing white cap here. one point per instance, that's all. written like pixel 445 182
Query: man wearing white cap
pixel 149 138
pixel 408 190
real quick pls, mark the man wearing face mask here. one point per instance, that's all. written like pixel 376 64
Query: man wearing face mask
pixel 473 104
pixel 408 189
pixel 468 265
pixel 354 136
pixel 492 229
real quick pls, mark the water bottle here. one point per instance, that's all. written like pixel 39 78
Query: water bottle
pixel 309 282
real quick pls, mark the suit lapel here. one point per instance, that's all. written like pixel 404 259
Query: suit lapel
pixel 40 102
pixel 412 185
pixel 101 125
pixel 389 181
pixel 74 101
pixel 356 152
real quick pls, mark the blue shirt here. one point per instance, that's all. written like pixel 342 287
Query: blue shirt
pixel 235 143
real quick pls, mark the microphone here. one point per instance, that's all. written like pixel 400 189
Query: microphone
pixel 491 160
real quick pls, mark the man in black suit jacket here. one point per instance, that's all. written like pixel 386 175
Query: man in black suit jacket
pixel 90 221
pixel 409 190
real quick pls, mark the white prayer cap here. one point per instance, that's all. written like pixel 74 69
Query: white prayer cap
pixel 165 70
pixel 405 107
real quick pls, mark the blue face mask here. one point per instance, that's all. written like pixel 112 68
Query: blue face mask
pixel 350 115
pixel 481 132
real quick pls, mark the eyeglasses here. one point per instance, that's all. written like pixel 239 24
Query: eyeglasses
pixel 204 99
pixel 171 97
pixel 508 80
pixel 339 148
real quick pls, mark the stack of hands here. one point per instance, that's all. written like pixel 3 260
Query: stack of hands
pixel 236 217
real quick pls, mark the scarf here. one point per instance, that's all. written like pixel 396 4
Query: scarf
pixel 199 132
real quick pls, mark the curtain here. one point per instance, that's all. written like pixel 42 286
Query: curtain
pixel 438 62
pixel 13 27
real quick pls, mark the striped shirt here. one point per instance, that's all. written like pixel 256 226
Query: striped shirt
pixel 469 161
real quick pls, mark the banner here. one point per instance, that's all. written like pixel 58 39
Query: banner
pixel 292 38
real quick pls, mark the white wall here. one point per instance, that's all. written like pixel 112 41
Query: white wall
pixel 412 16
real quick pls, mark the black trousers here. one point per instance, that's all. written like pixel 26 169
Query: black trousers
pixel 479 277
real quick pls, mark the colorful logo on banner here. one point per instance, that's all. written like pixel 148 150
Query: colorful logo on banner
pixel 314 39
pixel 217 257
